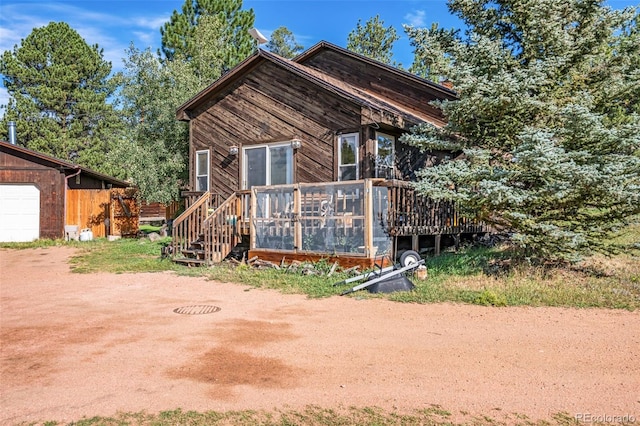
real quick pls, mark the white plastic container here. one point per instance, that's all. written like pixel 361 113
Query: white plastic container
pixel 71 232
pixel 86 234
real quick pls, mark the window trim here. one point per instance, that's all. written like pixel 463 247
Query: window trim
pixel 357 154
pixel 197 171
pixel 268 146
pixel 393 152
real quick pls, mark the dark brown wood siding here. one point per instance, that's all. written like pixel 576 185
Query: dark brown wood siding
pixel 413 96
pixel 408 159
pixel 84 181
pixel 271 105
pixel 50 182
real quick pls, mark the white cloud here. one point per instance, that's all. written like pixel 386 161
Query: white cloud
pixel 111 31
pixel 148 30
pixel 416 18
pixel 146 37
pixel 151 23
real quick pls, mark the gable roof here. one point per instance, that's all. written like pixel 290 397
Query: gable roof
pixel 53 162
pixel 329 83
pixel 325 45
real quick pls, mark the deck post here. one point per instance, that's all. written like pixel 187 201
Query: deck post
pixel 368 218
pixel 415 243
pixel 252 227
pixel 297 226
pixel 437 244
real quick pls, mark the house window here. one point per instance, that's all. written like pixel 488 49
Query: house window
pixel 385 155
pixel 348 157
pixel 267 165
pixel 202 171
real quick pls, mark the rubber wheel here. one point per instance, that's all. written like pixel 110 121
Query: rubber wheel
pixel 409 257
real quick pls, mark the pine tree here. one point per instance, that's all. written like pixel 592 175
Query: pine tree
pixel 59 88
pixel 179 37
pixel 547 121
pixel 283 43
pixel 373 40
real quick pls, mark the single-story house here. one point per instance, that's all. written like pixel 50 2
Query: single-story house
pixel 301 159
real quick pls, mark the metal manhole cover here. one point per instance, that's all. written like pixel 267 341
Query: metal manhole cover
pixel 196 309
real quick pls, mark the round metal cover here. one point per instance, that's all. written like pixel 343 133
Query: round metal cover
pixel 196 309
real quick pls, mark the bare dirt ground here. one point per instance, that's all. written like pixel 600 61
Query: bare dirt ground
pixel 75 345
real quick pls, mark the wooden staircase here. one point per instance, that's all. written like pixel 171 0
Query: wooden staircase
pixel 194 254
pixel 206 233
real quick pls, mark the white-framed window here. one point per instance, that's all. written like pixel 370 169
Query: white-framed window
pixel 348 157
pixel 270 164
pixel 385 155
pixel 202 170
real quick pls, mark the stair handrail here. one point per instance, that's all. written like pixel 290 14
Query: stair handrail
pixel 189 224
pixel 220 229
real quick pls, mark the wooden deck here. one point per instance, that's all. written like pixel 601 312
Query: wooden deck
pixel 355 223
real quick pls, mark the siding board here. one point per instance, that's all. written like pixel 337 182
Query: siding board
pixel 88 208
pixel 48 180
pixel 388 85
pixel 272 106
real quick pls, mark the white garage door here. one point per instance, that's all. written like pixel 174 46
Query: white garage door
pixel 19 213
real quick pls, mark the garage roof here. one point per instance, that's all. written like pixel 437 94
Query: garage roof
pixel 65 166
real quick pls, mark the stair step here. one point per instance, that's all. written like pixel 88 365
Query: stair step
pixel 190 261
pixel 193 253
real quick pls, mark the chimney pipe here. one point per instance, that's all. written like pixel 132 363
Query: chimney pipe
pixel 12 133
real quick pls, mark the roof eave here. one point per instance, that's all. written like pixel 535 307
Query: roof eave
pixel 314 50
pixel 65 165
pixel 182 113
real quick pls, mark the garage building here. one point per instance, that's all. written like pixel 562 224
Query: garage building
pixel 41 195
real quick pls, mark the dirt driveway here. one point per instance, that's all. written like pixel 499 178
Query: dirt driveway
pixel 76 345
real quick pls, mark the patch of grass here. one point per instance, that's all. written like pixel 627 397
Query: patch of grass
pixel 123 255
pixel 314 286
pixel 316 416
pixel 467 262
pixel 462 277
pixel 617 288
pixel 148 228
pixel 119 256
pixel 39 244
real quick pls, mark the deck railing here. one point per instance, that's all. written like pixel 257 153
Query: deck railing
pixel 217 224
pixel 338 218
pixel 188 227
pixel 222 228
pixel 412 213
pixel 356 218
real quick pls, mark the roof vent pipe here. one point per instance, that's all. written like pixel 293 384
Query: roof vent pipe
pixel 12 133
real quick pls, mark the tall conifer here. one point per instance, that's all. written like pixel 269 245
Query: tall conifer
pixel 547 120
pixel 59 88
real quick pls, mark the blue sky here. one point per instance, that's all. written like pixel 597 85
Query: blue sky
pixel 114 24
